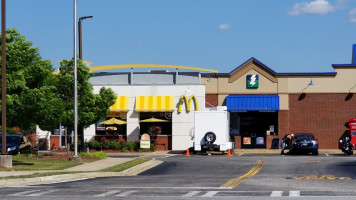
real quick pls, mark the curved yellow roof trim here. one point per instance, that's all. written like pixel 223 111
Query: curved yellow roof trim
pixel 125 66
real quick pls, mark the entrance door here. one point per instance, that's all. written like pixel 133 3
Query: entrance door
pixel 253 127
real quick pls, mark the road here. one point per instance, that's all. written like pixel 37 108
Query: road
pixel 214 177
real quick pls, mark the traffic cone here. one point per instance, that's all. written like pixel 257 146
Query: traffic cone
pixel 228 152
pixel 187 154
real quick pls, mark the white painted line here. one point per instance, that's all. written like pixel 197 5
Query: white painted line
pixel 37 194
pixel 210 194
pixel 191 194
pixel 240 154
pixel 127 193
pixel 107 193
pixel 195 188
pixel 65 181
pixel 327 154
pixel 24 193
pixel 276 193
pixel 294 193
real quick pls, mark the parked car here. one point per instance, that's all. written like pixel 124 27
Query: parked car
pixel 304 143
pixel 16 144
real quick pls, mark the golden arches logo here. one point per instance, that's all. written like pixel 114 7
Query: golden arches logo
pixel 187 102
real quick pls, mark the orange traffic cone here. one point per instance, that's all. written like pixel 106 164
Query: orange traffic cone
pixel 187 154
pixel 228 152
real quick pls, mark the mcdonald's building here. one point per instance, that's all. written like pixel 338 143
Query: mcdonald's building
pixel 158 102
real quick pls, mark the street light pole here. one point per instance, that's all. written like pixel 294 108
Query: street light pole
pixel 75 84
pixel 3 74
pixel 80 34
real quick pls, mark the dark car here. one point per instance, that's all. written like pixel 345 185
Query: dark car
pixel 16 144
pixel 304 143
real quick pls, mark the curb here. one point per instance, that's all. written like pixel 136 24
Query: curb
pixel 133 171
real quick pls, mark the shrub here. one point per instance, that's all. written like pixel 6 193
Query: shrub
pixel 99 155
pixel 131 145
pixel 94 145
pixel 114 145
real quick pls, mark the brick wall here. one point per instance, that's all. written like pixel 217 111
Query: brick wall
pixel 324 115
pixel 211 100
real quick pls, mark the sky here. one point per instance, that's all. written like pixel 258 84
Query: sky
pixel 286 35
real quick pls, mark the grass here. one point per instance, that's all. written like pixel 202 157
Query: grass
pixel 99 155
pixel 30 163
pixel 126 165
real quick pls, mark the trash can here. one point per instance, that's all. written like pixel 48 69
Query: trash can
pixel 275 143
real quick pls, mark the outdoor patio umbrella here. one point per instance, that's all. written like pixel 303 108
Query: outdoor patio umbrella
pixel 152 119
pixel 113 121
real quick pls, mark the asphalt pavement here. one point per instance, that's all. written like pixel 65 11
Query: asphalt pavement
pixel 89 170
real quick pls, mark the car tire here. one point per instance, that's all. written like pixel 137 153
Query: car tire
pixel 209 137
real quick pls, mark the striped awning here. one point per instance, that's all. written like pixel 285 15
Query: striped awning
pixel 121 104
pixel 154 104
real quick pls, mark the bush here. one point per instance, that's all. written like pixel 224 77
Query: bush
pixel 105 144
pixel 94 145
pixel 99 155
pixel 114 145
pixel 131 145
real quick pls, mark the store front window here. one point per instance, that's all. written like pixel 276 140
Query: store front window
pixel 159 126
pixel 253 127
pixel 112 128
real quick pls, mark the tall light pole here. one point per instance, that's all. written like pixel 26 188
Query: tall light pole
pixel 3 74
pixel 80 34
pixel 75 84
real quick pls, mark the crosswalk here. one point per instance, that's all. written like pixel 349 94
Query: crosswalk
pixel 176 193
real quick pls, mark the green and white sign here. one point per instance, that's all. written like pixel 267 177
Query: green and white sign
pixel 252 81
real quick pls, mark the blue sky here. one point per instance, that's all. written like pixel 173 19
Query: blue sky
pixel 285 35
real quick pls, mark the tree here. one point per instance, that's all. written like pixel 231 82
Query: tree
pixel 91 107
pixel 31 93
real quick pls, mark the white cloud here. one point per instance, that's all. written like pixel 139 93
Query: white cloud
pixel 224 26
pixel 318 7
pixel 352 16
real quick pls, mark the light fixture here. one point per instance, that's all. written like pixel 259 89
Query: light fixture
pixel 188 91
pixel 209 79
pixel 310 84
pixel 352 88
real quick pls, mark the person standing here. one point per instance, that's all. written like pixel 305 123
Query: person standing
pixel 285 142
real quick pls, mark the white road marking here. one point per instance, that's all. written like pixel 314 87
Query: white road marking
pixel 24 193
pixel 294 193
pixel 127 193
pixel 107 193
pixel 327 154
pixel 276 193
pixel 210 194
pixel 240 154
pixel 37 194
pixel 191 194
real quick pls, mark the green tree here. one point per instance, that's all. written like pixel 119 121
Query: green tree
pixel 31 93
pixel 91 107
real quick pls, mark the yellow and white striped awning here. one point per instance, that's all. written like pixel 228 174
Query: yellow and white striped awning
pixel 121 104
pixel 154 104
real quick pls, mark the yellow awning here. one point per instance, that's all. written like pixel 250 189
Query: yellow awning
pixel 154 104
pixel 121 104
